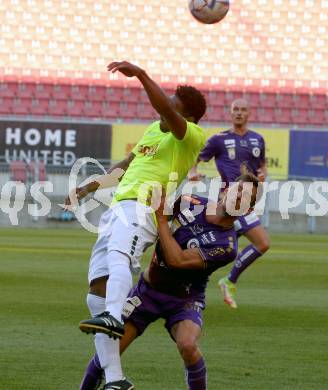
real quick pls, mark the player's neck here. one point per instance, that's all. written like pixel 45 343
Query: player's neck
pixel 222 218
pixel 240 130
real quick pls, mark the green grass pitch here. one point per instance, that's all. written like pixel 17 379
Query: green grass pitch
pixel 277 339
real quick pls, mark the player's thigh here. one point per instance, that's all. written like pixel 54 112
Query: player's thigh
pixel 130 334
pixel 131 235
pixel 186 332
pixel 142 306
pixel 185 322
pixel 98 266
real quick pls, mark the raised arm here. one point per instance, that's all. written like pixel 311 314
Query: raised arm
pixel 158 99
pixel 175 256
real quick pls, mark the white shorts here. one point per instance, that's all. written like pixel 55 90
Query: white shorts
pixel 128 227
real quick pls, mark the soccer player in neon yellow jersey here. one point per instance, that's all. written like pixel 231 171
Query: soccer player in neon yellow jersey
pixel 128 227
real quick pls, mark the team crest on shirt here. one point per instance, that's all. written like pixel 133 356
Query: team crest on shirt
pixel 256 151
pixel 148 150
pixel 193 243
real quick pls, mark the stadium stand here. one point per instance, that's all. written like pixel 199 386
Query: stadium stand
pixel 56 67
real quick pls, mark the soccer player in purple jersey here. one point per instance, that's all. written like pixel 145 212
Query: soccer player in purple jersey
pixel 239 150
pixel 200 240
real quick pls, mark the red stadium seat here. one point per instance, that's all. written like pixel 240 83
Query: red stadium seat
pixel 92 109
pixel 114 94
pixel 216 114
pixel 18 171
pixel 57 107
pixel 26 90
pixel 253 98
pixel 37 171
pixel 145 112
pixel 78 92
pixel 128 110
pixel 268 100
pixel 6 106
pixel 39 107
pixel 43 91
pixel 8 90
pixel 131 95
pixel 317 117
pixel 285 100
pixel 21 106
pixel 302 101
pixel 299 117
pixel 266 115
pixel 318 102
pixel 110 110
pixel 60 92
pixel 96 93
pixel 74 108
pixel 283 116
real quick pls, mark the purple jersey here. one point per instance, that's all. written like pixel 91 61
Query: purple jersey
pixel 217 247
pixel 233 153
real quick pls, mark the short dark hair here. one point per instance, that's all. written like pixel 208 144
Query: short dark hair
pixel 250 178
pixel 194 102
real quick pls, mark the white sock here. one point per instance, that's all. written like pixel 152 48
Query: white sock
pixel 119 282
pixel 96 304
pixel 108 350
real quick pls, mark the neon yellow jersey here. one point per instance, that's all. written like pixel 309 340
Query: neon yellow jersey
pixel 158 154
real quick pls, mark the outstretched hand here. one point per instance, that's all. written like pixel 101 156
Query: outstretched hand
pixel 74 197
pixel 125 68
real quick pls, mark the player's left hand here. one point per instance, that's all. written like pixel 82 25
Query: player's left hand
pixel 74 197
pixel 124 67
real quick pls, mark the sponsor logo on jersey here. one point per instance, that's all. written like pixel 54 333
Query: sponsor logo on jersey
pixel 231 153
pixel 196 229
pixel 212 236
pixel 216 251
pixel 230 143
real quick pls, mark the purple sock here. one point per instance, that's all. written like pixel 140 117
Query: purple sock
pixel 196 375
pixel 93 375
pixel 244 259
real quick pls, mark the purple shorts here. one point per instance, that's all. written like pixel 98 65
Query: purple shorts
pixel 246 222
pixel 145 305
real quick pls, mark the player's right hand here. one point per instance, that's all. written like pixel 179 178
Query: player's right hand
pixel 124 67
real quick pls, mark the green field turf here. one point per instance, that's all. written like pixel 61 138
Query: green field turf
pixel 277 339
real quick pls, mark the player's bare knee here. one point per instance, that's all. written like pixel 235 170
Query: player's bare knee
pixel 264 245
pixel 98 287
pixel 187 348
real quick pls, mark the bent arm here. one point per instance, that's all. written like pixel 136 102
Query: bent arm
pixel 175 257
pixel 102 181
